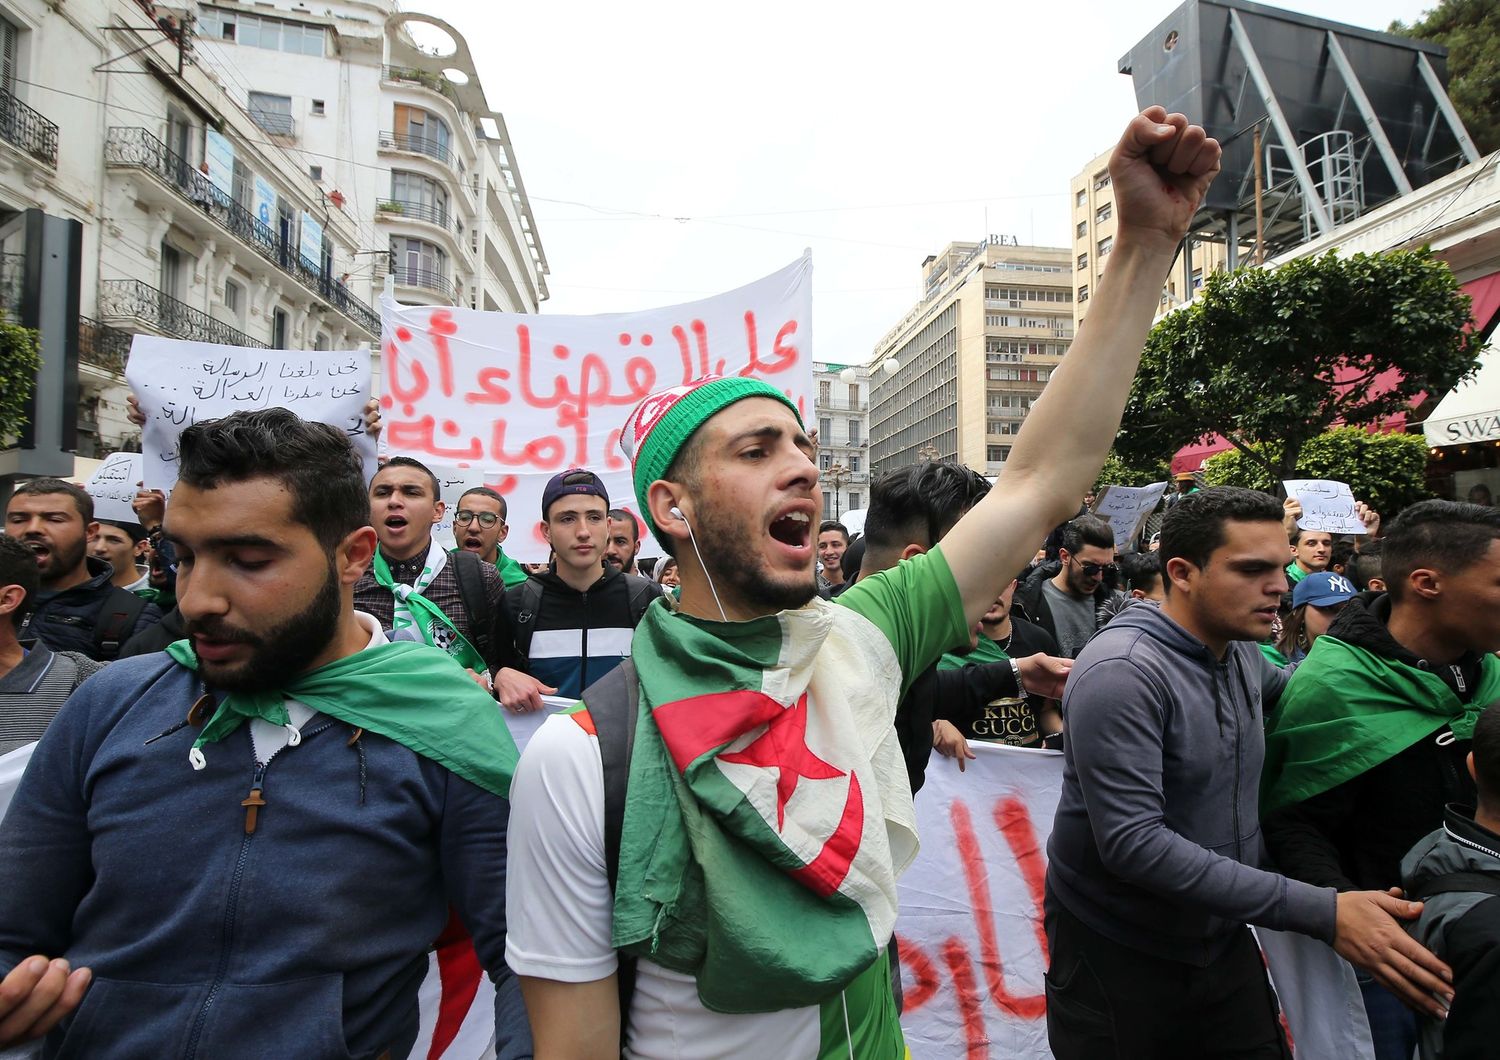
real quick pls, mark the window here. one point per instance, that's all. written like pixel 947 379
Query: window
pixel 853 501
pixel 1197 278
pixel 1101 180
pixel 261 31
pixel 319 109
pixel 232 294
pixel 1104 213
pixel 854 462
pixel 417 130
pixel 321 342
pixel 825 461
pixel 272 113
pixel 418 263
pixel 825 430
pixel 1106 245
pixel 10 36
pixel 278 329
pixel 1083 292
pixel 1083 261
pixel 420 197
pixel 1083 229
pixel 854 395
pixel 171 270
pixel 825 392
pixel 1082 197
pixel 856 432
pixel 316 172
pixel 997 454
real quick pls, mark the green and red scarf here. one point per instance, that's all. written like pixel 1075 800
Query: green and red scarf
pixel 415 611
pixel 766 820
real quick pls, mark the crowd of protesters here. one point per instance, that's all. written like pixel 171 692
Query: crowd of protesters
pixel 270 769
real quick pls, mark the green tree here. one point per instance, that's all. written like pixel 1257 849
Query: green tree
pixel 1386 471
pixel 18 367
pixel 1281 355
pixel 1470 30
pixel 1117 472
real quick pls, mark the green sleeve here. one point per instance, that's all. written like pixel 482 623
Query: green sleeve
pixel 917 606
pixel 511 572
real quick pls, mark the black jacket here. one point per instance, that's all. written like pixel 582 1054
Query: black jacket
pixel 1353 836
pixel 1030 602
pixel 65 621
pixel 157 637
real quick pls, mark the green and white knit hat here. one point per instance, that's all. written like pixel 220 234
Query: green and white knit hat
pixel 662 423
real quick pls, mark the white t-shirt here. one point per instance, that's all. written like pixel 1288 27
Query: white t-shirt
pixel 268 738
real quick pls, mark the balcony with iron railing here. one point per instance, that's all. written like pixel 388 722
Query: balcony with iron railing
pixel 426 279
pixel 274 122
pixel 129 148
pixel 28 130
pixel 419 145
pixel 408 209
pixel 102 346
pixel 141 305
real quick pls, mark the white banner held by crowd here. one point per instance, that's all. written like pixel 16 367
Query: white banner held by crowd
pixel 522 397
pixel 180 383
pixel 1123 507
pixel 1327 506
pixel 113 487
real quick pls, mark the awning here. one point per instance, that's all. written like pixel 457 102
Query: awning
pixel 1470 412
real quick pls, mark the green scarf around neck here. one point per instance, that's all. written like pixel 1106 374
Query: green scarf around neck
pixel 1347 710
pixel 412 609
pixel 411 693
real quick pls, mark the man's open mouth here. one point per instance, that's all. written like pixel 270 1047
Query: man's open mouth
pixel 395 522
pixel 794 528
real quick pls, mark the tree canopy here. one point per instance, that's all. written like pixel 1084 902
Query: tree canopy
pixel 1386 471
pixel 18 367
pixel 1470 30
pixel 1281 355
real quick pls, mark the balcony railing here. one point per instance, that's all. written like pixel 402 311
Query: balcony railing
pixel 103 346
pixel 136 301
pixel 138 149
pixel 421 145
pixel 425 78
pixel 274 122
pixel 427 279
pixel 417 211
pixel 28 130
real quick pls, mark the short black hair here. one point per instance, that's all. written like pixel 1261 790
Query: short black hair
pixel 485 491
pixel 1086 530
pixel 1193 528
pixel 18 567
pixel 406 461
pixel 42 487
pixel 136 531
pixel 314 463
pixel 1486 749
pixel 1295 537
pixel 1443 535
pixel 1364 565
pixel 1479 493
pixel 1341 553
pixel 1140 570
pixel 620 515
pixel 920 503
pixel 833 524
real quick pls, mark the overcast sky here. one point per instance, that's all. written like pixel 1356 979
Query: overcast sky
pixel 673 150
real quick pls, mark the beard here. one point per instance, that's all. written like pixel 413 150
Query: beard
pixel 745 572
pixel 279 654
pixel 64 559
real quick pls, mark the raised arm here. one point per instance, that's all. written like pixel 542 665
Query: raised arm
pixel 1161 169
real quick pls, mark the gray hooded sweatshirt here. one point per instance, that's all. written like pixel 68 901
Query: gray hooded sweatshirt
pixel 1157 841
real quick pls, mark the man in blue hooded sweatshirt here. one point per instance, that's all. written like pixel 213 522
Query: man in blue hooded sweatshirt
pixel 1154 860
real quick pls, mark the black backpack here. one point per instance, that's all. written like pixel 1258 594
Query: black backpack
pixel 476 602
pixel 613 702
pixel 114 621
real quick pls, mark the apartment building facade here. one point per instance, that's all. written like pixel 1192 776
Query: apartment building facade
pixel 841 414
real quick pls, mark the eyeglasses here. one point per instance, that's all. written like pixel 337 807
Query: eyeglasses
pixel 1092 569
pixel 463 517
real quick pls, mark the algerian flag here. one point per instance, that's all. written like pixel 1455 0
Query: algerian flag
pixel 768 815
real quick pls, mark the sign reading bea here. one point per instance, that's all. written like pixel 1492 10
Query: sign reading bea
pixel 522 397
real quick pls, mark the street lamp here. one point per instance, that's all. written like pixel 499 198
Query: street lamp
pixel 837 474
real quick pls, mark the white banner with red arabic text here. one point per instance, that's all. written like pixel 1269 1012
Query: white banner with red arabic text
pixel 973 951
pixel 522 397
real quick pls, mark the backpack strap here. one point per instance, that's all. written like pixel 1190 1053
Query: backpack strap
pixel 1459 883
pixel 642 592
pixel 476 602
pixel 529 594
pixel 113 622
pixel 612 703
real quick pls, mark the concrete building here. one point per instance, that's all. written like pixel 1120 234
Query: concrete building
pixel 1092 198
pixel 956 377
pixel 841 414
pixel 214 209
pixel 387 111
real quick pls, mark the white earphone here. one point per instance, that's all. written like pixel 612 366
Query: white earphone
pixel 676 513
